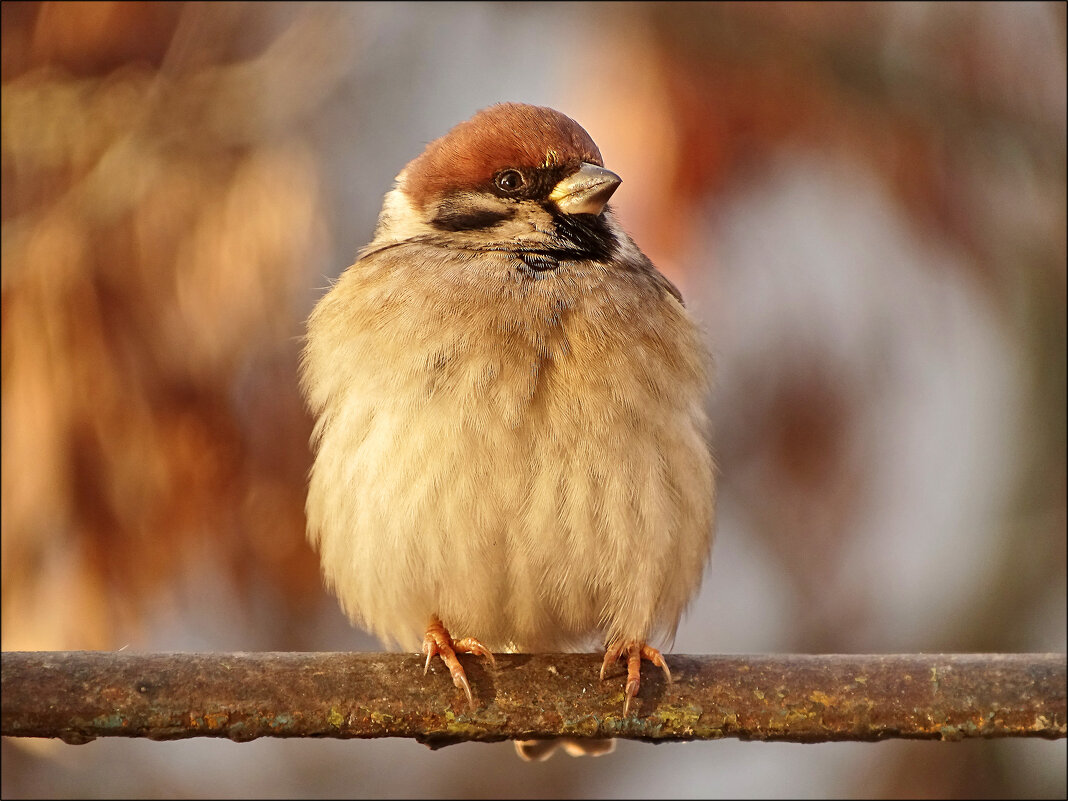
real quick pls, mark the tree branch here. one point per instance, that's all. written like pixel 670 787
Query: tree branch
pixel 80 695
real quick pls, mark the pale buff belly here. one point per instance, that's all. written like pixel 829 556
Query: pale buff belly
pixel 545 532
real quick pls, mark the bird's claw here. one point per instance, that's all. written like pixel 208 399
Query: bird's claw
pixel 469 645
pixel 635 653
pixel 438 642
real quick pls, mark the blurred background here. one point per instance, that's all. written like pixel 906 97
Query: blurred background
pixel 864 204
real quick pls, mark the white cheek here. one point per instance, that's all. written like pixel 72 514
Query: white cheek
pixel 399 219
pixel 628 251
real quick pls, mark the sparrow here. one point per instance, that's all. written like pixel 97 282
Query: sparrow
pixel 511 445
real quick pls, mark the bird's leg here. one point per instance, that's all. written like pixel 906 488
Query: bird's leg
pixel 635 652
pixel 438 642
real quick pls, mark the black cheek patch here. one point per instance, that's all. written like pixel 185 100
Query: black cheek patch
pixel 461 217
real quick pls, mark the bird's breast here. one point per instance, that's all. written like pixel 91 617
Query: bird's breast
pixel 526 461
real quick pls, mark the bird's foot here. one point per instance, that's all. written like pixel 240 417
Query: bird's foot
pixel 635 652
pixel 540 750
pixel 438 642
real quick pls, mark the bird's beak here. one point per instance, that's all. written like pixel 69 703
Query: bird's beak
pixel 585 191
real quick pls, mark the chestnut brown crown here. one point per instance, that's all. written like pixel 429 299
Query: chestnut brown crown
pixel 501 137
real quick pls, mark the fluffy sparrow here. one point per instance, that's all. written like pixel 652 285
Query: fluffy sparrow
pixel 510 415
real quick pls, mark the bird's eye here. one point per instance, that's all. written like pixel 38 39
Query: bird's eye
pixel 509 180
